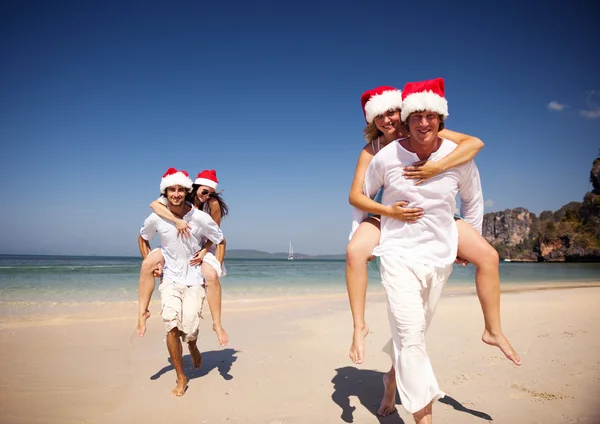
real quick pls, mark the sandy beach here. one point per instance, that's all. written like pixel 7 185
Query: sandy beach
pixel 287 362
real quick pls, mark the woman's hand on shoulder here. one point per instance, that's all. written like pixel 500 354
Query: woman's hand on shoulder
pixel 401 212
pixel 422 171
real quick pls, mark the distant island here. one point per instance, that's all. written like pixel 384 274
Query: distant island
pixel 259 254
pixel 571 234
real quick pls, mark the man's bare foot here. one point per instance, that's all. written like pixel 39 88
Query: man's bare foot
pixel 141 325
pixel 388 402
pixel 222 336
pixel 195 354
pixel 357 350
pixel 500 341
pixel 181 387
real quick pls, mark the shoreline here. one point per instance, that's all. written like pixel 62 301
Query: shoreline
pixel 21 314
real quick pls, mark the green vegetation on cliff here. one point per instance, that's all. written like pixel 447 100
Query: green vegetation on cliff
pixel 570 234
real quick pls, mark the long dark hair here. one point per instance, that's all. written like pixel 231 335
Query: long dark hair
pixel 203 206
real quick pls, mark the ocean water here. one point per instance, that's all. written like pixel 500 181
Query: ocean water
pixel 41 279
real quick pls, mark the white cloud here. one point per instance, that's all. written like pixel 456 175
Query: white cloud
pixel 592 102
pixel 590 114
pixel 489 203
pixel 554 105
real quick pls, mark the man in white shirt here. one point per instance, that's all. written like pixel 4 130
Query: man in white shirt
pixel 181 289
pixel 417 258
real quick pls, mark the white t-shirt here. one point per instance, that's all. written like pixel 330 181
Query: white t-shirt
pixel 178 251
pixel 433 239
pixel 206 208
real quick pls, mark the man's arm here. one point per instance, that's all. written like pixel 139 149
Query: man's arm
pixel 144 246
pixel 220 252
pixel 471 196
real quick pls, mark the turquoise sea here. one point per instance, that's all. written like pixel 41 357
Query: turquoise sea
pixel 30 280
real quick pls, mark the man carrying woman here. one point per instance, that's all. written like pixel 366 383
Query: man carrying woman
pixel 381 107
pixel 204 197
pixel 181 288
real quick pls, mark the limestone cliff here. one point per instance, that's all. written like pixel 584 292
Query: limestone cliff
pixel 570 234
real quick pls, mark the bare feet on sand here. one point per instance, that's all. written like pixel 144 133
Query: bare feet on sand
pixel 357 350
pixel 195 354
pixel 388 402
pixel 500 341
pixel 181 387
pixel 222 336
pixel 141 325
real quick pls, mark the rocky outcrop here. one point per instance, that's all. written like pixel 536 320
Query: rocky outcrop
pixel 595 176
pixel 570 234
pixel 510 227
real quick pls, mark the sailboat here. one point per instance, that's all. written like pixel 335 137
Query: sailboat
pixel 291 252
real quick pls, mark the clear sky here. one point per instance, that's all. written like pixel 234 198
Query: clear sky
pixel 99 98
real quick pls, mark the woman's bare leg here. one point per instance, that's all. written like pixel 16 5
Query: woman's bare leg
pixel 475 249
pixel 213 296
pixel 153 262
pixel 358 252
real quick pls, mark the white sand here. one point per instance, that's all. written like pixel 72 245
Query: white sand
pixel 287 362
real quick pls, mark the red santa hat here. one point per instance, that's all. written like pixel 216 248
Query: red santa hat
pixel 424 95
pixel 174 177
pixel 208 178
pixel 379 100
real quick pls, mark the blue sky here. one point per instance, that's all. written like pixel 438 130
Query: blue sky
pixel 99 98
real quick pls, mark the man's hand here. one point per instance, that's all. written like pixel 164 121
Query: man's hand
pixel 461 261
pixel 422 171
pixel 158 270
pixel 198 257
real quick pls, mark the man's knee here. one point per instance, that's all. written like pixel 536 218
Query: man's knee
pixel 174 332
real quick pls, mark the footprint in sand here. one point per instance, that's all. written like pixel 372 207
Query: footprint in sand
pixel 541 395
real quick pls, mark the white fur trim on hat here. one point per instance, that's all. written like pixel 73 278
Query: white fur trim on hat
pixel 381 103
pixel 178 178
pixel 420 102
pixel 206 182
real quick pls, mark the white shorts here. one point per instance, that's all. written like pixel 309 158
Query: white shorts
pixel 181 307
pixel 211 260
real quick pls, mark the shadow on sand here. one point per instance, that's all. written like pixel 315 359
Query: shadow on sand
pixel 222 360
pixel 459 407
pixel 367 386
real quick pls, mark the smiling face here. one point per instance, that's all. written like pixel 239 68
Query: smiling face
pixel 389 123
pixel 424 126
pixel 176 195
pixel 204 193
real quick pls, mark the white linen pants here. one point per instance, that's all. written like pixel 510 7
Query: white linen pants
pixel 413 292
